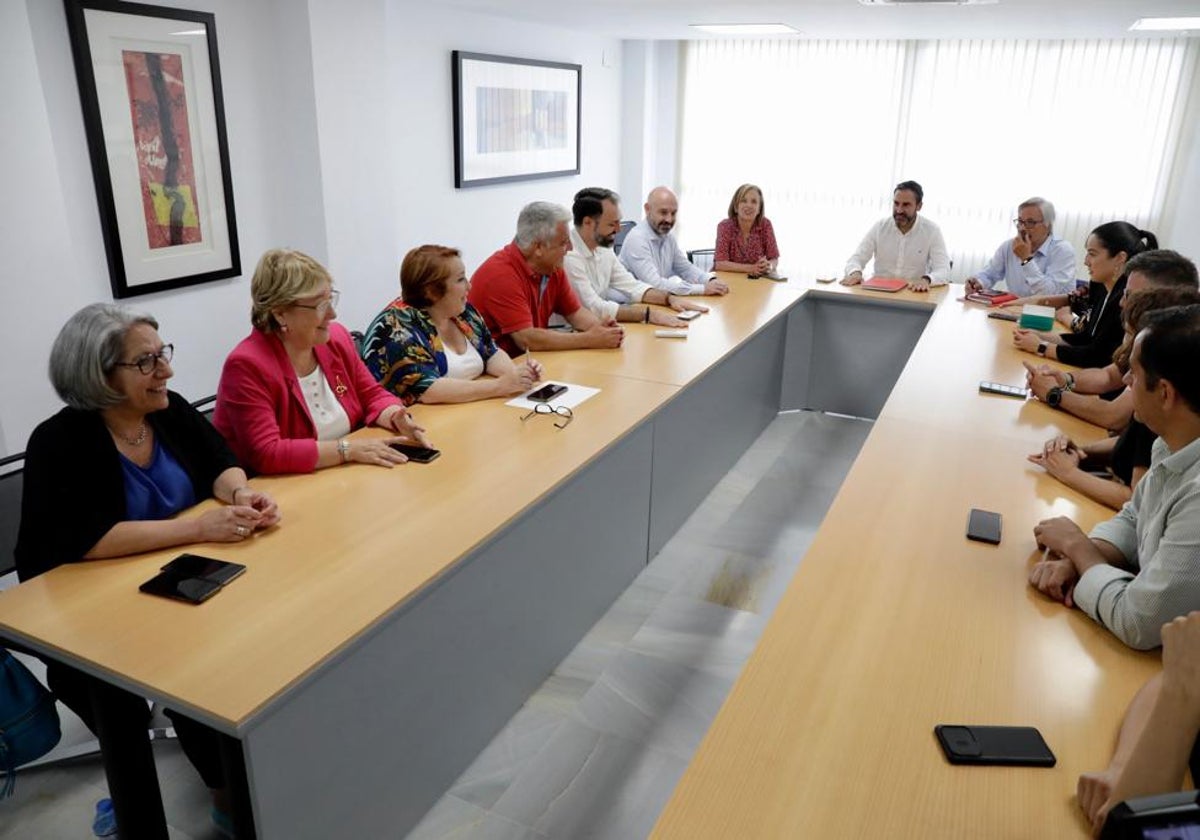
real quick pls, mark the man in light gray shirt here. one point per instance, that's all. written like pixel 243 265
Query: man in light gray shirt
pixel 653 256
pixel 1141 568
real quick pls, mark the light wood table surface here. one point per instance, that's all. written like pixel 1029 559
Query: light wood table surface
pixel 356 542
pixel 895 623
pixel 711 337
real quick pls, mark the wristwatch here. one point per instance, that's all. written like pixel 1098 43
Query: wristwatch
pixel 1054 397
pixel 1042 347
pixel 344 449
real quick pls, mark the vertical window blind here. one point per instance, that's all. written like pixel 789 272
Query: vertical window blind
pixel 826 128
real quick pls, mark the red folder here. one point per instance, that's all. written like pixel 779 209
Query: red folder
pixel 885 284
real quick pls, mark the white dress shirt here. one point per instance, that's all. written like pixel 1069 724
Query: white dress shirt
pixel 910 256
pixel 1050 270
pixel 595 274
pixel 656 259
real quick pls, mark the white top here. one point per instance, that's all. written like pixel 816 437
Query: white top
pixel 327 413
pixel 465 365
pixel 594 273
pixel 656 259
pixel 919 253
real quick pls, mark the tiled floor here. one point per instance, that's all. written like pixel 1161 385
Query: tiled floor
pixel 597 750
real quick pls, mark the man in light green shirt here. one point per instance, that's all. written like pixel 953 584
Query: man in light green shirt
pixel 1141 568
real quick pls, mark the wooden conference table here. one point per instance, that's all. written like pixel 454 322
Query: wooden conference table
pixel 895 623
pixel 398 618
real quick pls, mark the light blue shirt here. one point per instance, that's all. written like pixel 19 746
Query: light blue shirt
pixel 1050 272
pixel 657 261
pixel 1158 534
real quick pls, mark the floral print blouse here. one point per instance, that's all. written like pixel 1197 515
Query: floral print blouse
pixel 404 352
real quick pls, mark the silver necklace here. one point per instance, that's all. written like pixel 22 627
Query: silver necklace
pixel 138 439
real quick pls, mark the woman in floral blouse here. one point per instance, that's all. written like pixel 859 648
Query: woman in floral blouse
pixel 430 345
pixel 746 240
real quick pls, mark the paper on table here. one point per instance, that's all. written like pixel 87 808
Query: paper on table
pixel 575 395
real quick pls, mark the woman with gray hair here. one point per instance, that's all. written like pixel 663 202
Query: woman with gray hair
pixel 105 476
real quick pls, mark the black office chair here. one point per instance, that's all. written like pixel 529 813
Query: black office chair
pixel 206 405
pixel 702 258
pixel 12 475
pixel 626 226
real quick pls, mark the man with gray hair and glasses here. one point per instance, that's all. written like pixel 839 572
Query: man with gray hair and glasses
pixel 518 289
pixel 1035 261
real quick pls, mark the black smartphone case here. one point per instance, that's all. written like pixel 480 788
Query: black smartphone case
pixel 1021 746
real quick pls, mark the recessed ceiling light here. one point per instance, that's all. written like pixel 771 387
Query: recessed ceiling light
pixel 746 28
pixel 1167 24
pixel 928 2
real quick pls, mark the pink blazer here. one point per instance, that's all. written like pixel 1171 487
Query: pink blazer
pixel 261 411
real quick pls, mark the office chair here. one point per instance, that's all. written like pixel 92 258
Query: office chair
pixel 702 258
pixel 626 226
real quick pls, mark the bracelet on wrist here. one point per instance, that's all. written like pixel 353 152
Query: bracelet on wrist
pixel 343 448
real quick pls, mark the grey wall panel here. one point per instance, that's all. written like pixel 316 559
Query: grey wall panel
pixel 701 433
pixel 858 349
pixel 416 700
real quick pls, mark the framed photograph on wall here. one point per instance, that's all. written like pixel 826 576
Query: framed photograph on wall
pixel 150 86
pixel 515 119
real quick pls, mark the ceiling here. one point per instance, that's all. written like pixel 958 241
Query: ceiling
pixel 830 19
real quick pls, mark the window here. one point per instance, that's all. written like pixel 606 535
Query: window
pixel 826 128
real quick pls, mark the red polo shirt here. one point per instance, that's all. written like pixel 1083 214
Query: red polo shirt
pixel 511 296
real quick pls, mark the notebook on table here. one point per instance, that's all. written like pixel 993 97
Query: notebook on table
pixel 885 284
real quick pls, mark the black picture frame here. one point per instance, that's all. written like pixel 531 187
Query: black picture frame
pixel 515 119
pixel 141 70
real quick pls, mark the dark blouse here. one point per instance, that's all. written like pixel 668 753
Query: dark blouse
pixel 1132 450
pixel 74 488
pixel 1099 331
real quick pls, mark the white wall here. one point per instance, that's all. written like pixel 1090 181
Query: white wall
pixel 339 131
pixel 386 136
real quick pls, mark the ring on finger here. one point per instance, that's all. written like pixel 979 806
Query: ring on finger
pixel 241 530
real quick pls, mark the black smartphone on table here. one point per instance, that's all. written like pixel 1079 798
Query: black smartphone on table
pixel 546 393
pixel 984 526
pixel 417 454
pixel 193 590
pixel 197 566
pixel 1019 746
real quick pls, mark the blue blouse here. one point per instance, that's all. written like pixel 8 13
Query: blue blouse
pixel 158 491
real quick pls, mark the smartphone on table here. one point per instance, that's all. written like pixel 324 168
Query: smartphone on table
pixel 417 454
pixel 984 526
pixel 1021 746
pixel 547 393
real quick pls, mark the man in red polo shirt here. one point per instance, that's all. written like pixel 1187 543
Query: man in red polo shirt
pixel 519 287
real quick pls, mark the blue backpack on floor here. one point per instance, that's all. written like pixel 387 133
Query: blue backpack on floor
pixel 28 720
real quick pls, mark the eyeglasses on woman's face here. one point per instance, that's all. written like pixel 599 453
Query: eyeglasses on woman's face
pixel 323 307
pixel 147 363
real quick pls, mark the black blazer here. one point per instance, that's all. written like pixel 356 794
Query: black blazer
pixel 74 491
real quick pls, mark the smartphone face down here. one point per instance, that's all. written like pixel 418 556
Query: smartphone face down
pixel 193 590
pixel 984 526
pixel 1007 745
pixel 546 393
pixel 416 454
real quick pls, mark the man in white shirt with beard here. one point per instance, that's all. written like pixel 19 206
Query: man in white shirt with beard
pixel 604 285
pixel 905 246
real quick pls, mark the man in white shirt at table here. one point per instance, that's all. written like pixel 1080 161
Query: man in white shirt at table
pixel 1141 568
pixel 1035 261
pixel 602 284
pixel 906 246
pixel 653 256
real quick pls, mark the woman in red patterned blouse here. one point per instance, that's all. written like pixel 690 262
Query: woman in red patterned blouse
pixel 746 240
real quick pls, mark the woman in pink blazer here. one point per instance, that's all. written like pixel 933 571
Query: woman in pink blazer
pixel 292 390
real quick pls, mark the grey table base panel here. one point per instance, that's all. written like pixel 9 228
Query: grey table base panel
pixel 845 355
pixel 366 747
pixel 700 434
